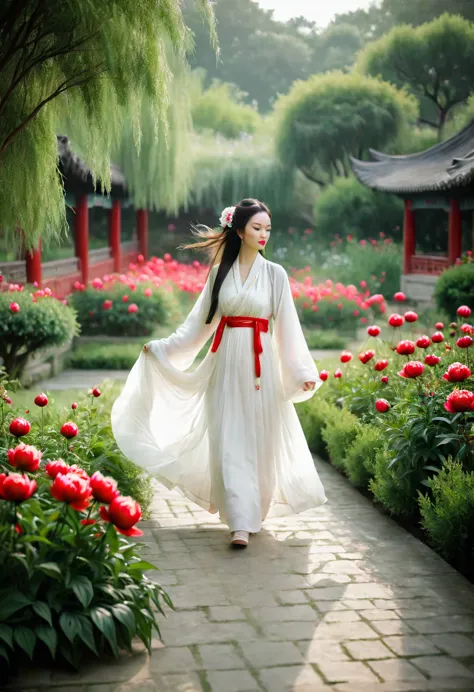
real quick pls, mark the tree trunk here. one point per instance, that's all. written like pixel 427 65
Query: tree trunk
pixel 441 123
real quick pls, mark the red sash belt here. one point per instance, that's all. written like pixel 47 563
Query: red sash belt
pixel 258 324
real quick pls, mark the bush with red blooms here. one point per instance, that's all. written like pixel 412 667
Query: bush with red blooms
pixel 33 320
pixel 71 581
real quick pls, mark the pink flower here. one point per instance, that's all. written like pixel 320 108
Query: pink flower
pixel 14 307
pixel 400 296
pixel 132 308
pixel 463 311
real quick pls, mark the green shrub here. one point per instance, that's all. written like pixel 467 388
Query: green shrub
pixel 105 356
pixel 36 326
pixel 448 515
pixel 359 461
pixel 328 314
pixel 118 321
pixel 313 416
pixel 354 209
pixel 455 287
pixel 324 339
pixel 394 491
pixel 339 432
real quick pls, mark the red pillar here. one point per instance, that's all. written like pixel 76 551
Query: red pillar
pixel 114 233
pixel 33 265
pixel 408 236
pixel 82 236
pixel 142 230
pixel 454 232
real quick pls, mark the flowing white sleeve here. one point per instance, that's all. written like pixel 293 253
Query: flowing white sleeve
pixel 182 347
pixel 296 363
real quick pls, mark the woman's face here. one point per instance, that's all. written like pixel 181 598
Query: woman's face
pixel 257 231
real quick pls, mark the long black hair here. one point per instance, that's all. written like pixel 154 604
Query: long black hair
pixel 223 245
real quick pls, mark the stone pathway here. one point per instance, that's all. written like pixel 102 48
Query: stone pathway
pixel 337 599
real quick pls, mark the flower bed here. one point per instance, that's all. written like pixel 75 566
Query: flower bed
pixel 398 420
pixel 70 581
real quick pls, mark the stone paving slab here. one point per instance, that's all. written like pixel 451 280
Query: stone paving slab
pixel 338 599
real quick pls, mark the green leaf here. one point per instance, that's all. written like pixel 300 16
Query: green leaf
pixel 70 625
pixel 125 615
pixel 43 610
pixel 6 634
pixel 52 569
pixel 104 621
pixel 444 420
pixel 23 561
pixel 82 587
pixel 25 638
pixel 87 634
pixel 4 653
pixel 432 468
pixel 49 636
pixel 143 565
pixel 15 600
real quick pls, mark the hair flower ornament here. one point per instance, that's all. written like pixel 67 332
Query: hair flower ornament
pixel 227 217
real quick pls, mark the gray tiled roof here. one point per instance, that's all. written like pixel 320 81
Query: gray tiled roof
pixel 77 175
pixel 445 166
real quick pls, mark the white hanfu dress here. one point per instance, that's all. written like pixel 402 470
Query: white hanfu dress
pixel 208 432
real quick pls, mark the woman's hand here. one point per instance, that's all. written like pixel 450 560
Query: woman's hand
pixel 308 386
pixel 145 348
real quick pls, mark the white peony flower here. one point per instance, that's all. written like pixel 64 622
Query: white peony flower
pixel 227 217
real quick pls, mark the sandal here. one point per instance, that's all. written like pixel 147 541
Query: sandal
pixel 240 539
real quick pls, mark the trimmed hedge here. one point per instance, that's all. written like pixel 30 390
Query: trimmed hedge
pixel 96 318
pixel 455 287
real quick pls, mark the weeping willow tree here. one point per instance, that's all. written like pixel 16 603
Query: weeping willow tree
pixel 226 171
pixel 96 61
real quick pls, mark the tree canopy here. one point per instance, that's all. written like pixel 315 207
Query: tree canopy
pixel 327 118
pixel 100 59
pixel 435 61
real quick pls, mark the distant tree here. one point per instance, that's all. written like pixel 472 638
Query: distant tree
pixel 435 61
pixel 338 47
pixel 100 59
pixel 324 120
pixel 417 12
pixel 220 108
pixel 370 23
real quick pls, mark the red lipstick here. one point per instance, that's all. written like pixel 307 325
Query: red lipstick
pixel 262 242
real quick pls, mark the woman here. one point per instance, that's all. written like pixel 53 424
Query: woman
pixel 227 434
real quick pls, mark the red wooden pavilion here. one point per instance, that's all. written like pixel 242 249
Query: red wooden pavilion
pixel 60 275
pixel 441 177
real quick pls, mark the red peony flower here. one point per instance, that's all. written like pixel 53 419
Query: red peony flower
pixel 323 375
pixel 124 299
pixel 405 348
pixel 366 356
pixel 147 292
pixel 338 373
pixel 52 468
pixel 123 513
pixel 459 401
pixel 411 316
pixel 400 296
pixel 72 489
pixel 431 359
pixel 412 369
pixel 69 430
pixel 382 405
pixel 463 311
pixel 14 307
pixel 133 307
pixel 41 400
pixel 20 427
pixel 74 405
pixel 384 379
pixel 381 365
pixel 107 304
pixel 464 342
pixel 346 356
pixel 457 372
pixel 77 471
pixel 467 329
pixel 25 457
pixel 437 337
pixel 88 522
pixel 396 320
pixel 16 487
pixel 439 325
pixel 373 330
pixel 104 488
pixel 96 392
pixel 423 341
